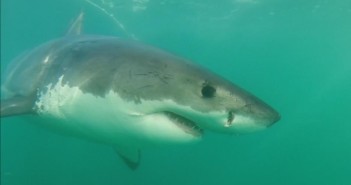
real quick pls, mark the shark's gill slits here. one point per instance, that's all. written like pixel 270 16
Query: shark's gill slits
pixel 185 124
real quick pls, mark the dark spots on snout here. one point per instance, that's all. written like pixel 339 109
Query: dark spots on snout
pixel 208 91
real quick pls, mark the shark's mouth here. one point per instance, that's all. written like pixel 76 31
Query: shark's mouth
pixel 185 124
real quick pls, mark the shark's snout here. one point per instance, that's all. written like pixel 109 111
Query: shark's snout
pixel 252 117
pixel 265 115
pixel 271 118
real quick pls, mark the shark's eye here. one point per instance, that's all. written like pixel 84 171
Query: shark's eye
pixel 208 91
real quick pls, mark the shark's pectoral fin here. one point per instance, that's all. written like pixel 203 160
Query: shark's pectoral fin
pixel 17 105
pixel 131 156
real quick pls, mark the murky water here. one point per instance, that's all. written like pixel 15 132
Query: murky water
pixel 293 54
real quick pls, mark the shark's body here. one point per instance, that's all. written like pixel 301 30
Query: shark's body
pixel 126 94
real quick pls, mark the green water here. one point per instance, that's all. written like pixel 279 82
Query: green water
pixel 293 54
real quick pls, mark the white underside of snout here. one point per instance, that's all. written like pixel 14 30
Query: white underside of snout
pixel 245 124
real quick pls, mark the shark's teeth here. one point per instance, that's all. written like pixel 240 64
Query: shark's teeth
pixel 185 124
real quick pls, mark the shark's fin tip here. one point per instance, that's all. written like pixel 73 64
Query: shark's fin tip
pixel 130 156
pixel 76 27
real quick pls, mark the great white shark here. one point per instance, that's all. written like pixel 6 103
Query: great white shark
pixel 126 94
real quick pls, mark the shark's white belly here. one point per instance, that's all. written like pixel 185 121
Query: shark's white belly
pixel 108 119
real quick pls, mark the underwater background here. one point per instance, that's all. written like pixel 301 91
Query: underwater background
pixel 293 54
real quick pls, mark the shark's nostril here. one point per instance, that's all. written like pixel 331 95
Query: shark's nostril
pixel 230 119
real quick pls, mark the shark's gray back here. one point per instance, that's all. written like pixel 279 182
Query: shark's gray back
pixel 99 64
pixel 94 63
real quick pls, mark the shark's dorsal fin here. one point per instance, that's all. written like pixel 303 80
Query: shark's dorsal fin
pixel 130 156
pixel 17 105
pixel 76 27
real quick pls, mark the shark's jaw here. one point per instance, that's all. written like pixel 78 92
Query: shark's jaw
pixel 185 124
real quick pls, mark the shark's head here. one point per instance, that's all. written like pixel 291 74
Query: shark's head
pixel 217 104
pixel 193 97
pixel 206 101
